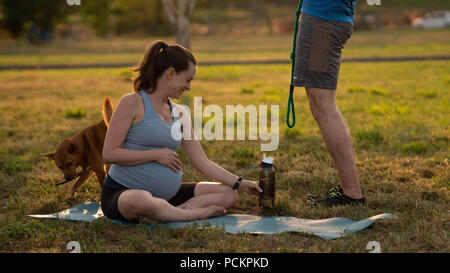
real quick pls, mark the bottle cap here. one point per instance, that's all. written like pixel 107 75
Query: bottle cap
pixel 268 161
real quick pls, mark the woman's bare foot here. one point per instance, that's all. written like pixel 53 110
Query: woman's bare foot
pixel 197 214
pixel 210 211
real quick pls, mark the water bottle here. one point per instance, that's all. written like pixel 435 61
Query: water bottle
pixel 267 183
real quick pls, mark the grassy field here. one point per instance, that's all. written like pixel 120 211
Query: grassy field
pixel 249 47
pixel 398 114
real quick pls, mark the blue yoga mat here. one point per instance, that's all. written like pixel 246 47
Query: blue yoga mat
pixel 328 229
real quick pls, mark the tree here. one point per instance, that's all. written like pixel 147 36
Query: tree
pixel 179 18
pixel 19 16
pixel 142 17
pixel 97 14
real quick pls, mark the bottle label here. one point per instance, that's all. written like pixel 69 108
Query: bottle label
pixel 266 203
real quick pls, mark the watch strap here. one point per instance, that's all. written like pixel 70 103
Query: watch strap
pixel 238 182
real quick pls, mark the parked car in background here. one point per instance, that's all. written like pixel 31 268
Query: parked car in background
pixel 433 19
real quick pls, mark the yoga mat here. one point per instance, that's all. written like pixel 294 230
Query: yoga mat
pixel 328 229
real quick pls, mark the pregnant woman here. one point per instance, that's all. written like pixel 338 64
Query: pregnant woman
pixel 144 183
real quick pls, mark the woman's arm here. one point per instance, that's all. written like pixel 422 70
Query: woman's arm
pixel 194 152
pixel 120 123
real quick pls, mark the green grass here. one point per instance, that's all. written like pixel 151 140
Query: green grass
pixel 248 47
pixel 247 90
pixel 369 137
pixel 415 148
pixel 400 134
pixel 75 113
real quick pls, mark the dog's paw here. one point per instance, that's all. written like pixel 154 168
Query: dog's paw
pixel 73 195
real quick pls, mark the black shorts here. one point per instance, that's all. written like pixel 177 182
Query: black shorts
pixel 111 191
pixel 318 51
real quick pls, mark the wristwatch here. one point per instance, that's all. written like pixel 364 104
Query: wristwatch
pixel 238 182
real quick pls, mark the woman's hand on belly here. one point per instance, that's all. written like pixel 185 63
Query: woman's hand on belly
pixel 169 159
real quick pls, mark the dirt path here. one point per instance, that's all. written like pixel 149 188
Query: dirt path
pixel 219 62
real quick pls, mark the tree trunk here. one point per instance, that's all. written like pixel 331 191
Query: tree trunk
pixel 182 36
pixel 179 18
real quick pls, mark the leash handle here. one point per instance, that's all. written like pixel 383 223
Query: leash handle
pixel 291 107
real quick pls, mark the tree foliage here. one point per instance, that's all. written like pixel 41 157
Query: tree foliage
pixel 139 16
pixel 97 14
pixel 19 15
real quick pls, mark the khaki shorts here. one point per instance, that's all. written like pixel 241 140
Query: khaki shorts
pixel 318 51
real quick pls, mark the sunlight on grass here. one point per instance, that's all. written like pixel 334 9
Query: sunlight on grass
pixel 400 134
pixel 75 113
pixel 415 147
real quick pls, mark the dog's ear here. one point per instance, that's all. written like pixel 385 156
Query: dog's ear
pixel 51 155
pixel 71 149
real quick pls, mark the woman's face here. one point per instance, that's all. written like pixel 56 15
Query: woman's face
pixel 180 82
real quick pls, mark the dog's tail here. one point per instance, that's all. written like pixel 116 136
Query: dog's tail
pixel 108 110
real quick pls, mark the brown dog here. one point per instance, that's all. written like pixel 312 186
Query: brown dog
pixel 84 149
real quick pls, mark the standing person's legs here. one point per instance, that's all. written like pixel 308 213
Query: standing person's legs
pixel 337 137
pixel 317 63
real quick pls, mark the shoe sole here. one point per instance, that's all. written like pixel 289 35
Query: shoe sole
pixel 314 197
pixel 317 203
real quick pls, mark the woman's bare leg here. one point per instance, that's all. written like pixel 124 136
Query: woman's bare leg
pixel 140 205
pixel 211 193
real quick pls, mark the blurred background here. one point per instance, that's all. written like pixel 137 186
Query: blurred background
pixel 58 19
pixel 49 21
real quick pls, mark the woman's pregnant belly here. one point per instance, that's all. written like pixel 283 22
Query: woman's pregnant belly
pixel 153 177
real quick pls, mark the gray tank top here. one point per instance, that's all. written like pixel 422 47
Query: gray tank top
pixel 148 134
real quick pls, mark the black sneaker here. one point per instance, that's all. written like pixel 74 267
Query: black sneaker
pixel 337 188
pixel 338 198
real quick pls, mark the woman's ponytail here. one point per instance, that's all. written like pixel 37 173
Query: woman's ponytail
pixel 158 57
